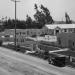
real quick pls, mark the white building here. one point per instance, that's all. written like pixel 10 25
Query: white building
pixel 61 28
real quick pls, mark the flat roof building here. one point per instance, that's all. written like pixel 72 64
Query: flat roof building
pixel 61 28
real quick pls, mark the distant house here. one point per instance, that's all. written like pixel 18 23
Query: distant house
pixel 60 28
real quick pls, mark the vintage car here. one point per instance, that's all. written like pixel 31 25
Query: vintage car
pixel 57 60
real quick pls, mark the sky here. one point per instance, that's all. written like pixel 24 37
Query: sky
pixel 57 8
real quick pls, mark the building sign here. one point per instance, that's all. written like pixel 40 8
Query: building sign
pixel 51 38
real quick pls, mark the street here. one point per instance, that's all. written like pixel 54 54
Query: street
pixel 14 63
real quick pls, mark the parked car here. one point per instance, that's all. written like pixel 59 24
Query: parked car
pixel 57 60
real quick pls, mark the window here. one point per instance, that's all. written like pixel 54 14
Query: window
pixel 70 30
pixel 65 30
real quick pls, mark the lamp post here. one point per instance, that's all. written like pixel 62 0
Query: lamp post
pixel 15 1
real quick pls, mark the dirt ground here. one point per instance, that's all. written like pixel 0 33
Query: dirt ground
pixel 10 66
pixel 13 63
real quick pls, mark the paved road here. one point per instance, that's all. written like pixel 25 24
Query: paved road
pixel 13 63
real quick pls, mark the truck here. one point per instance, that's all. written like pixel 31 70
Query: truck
pixel 58 60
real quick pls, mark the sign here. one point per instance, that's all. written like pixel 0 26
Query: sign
pixel 51 38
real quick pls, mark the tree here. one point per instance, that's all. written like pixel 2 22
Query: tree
pixel 48 17
pixel 28 21
pixel 43 17
pixel 68 21
pixel 35 7
pixel 10 24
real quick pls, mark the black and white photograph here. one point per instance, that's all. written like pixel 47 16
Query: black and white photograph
pixel 37 37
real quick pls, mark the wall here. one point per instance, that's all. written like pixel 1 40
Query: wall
pixel 66 40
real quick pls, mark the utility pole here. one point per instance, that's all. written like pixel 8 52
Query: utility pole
pixel 15 1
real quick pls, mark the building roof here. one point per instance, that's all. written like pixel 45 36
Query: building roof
pixel 62 26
